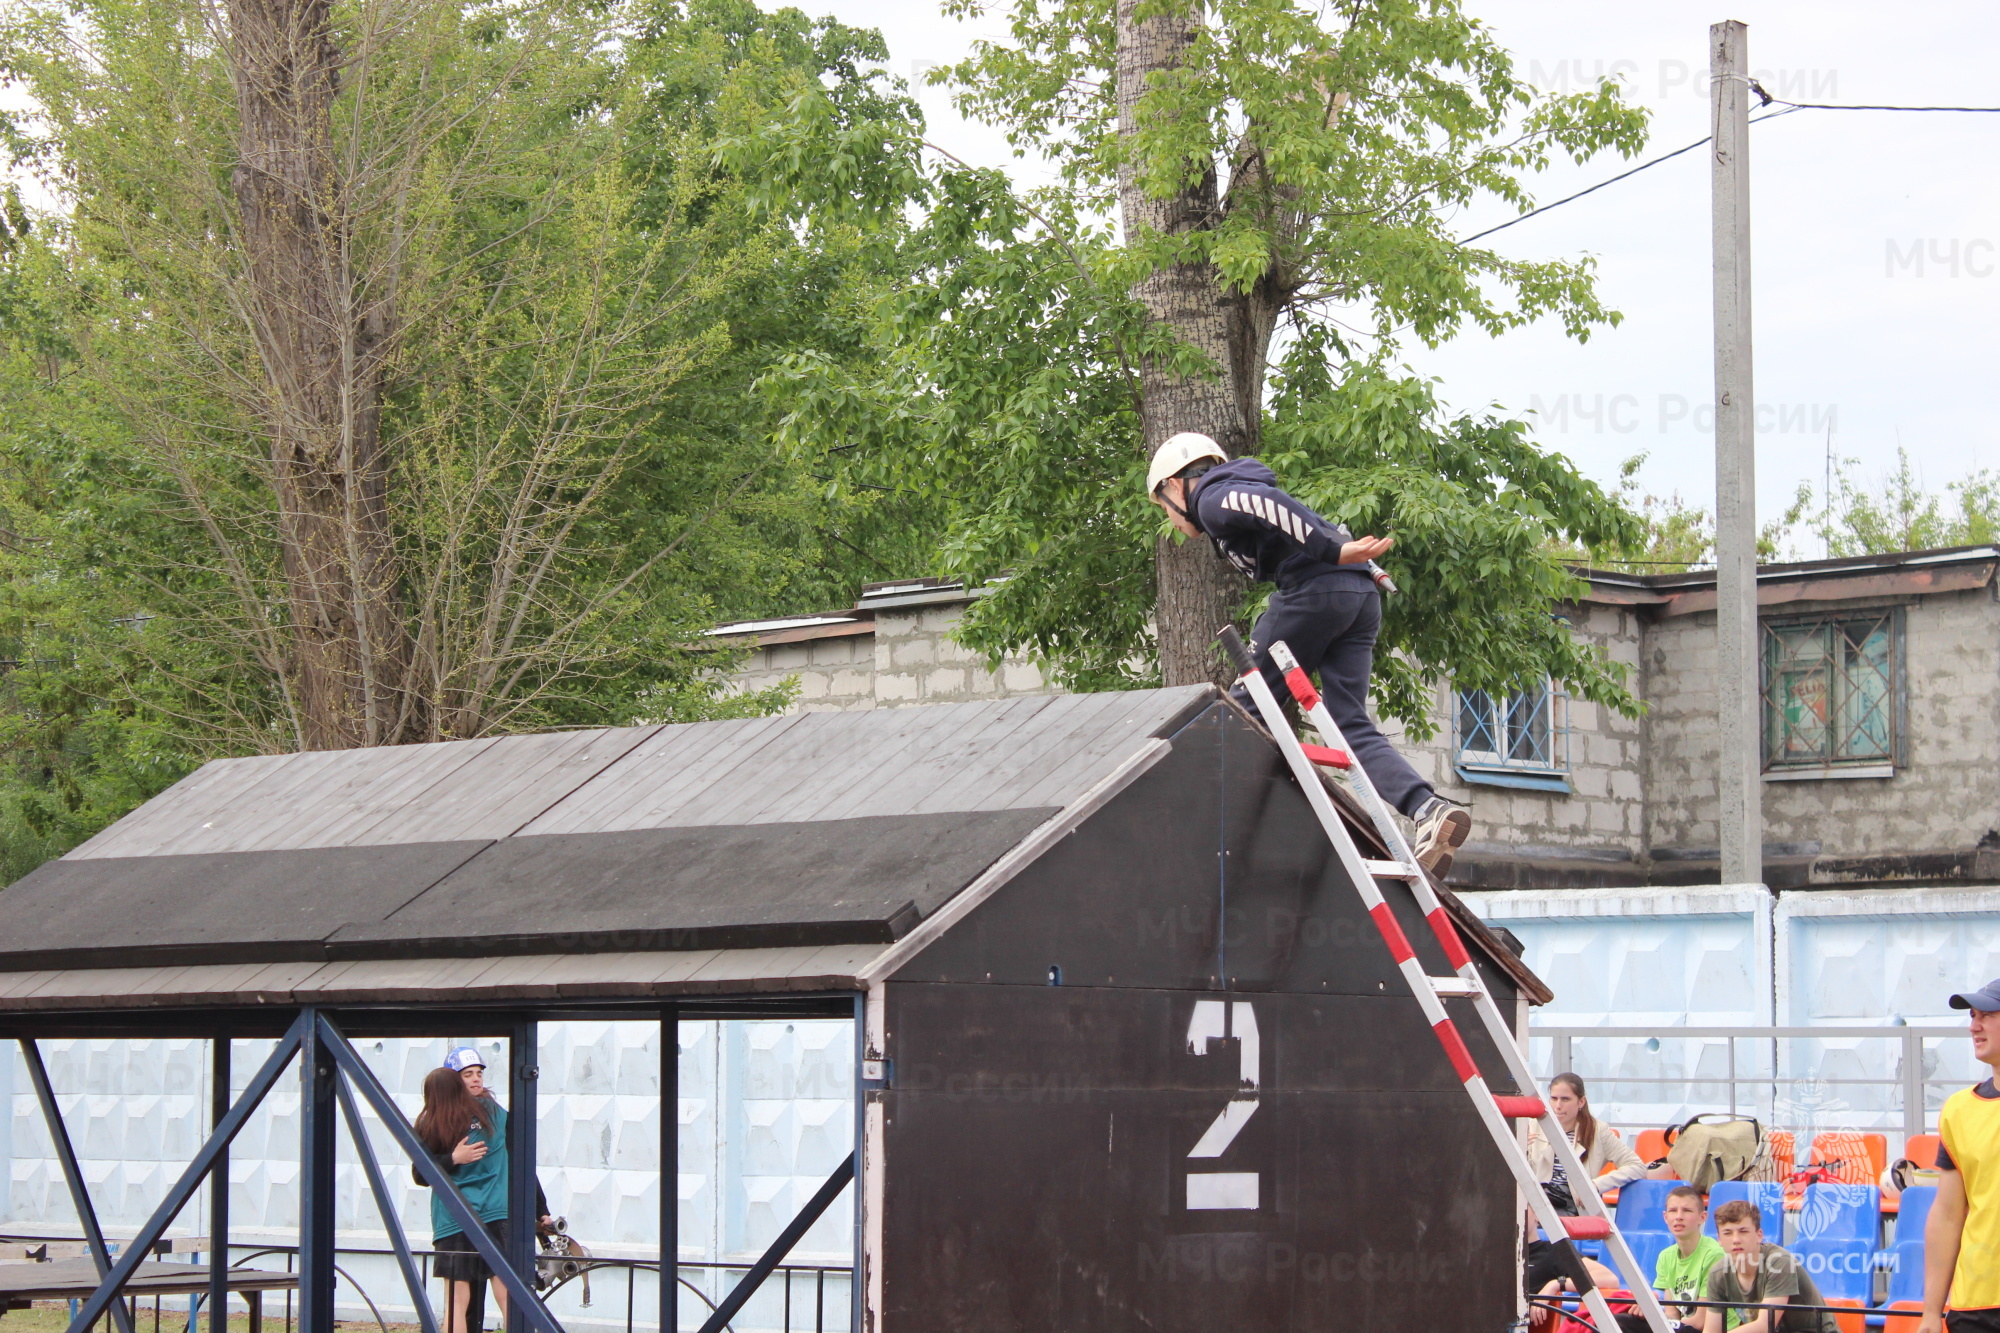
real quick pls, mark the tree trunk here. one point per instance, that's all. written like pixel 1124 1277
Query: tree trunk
pixel 1198 592
pixel 321 351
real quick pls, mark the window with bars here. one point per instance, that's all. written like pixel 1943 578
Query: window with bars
pixel 1832 691
pixel 1515 732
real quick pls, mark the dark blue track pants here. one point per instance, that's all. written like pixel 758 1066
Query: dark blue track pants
pixel 1331 628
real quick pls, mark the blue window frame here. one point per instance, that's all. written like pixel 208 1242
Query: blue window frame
pixel 1517 739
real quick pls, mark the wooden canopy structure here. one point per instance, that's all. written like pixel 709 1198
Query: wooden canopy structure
pixel 1046 916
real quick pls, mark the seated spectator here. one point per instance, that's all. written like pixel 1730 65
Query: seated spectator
pixel 1759 1280
pixel 1680 1274
pixel 1597 1144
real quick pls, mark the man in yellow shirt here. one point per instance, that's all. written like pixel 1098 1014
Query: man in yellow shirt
pixel 1962 1239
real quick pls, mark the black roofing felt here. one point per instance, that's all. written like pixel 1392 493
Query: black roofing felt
pixel 813 829
pixel 842 881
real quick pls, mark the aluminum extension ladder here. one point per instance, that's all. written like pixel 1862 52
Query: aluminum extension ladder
pixel 1595 1222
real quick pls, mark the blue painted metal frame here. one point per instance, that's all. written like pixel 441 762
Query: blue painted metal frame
pixel 670 1168
pixel 79 1193
pixel 183 1189
pixel 519 1289
pixel 523 1076
pixel 398 1240
pixel 316 1180
pixel 821 1200
pixel 218 1190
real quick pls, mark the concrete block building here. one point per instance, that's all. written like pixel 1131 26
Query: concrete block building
pixel 1595 837
pixel 1881 722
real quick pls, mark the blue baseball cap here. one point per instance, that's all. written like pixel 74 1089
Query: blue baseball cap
pixel 1986 999
pixel 464 1058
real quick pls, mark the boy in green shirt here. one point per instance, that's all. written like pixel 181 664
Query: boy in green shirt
pixel 1681 1271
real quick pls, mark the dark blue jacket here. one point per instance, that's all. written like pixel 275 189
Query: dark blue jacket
pixel 1266 533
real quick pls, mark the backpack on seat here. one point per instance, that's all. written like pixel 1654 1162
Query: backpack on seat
pixel 1713 1147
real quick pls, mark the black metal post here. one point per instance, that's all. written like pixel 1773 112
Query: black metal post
pixel 218 1189
pixel 316 1183
pixel 139 1246
pixel 79 1193
pixel 386 1203
pixel 442 1187
pixel 670 1168
pixel 523 1075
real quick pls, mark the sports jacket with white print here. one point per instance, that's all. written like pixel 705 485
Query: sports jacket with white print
pixel 1264 532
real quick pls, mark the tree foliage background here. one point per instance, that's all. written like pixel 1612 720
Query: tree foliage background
pixel 571 300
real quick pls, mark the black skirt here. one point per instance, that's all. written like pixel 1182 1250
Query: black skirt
pixel 457 1261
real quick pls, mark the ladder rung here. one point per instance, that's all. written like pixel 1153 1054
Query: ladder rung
pixel 1332 758
pixel 1392 870
pixel 1521 1108
pixel 1587 1228
pixel 1454 988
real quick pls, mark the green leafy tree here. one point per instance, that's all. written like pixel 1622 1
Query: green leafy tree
pixel 1898 513
pixel 1279 177
pixel 566 297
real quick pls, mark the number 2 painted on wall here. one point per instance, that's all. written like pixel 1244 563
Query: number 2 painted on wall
pixel 1216 1020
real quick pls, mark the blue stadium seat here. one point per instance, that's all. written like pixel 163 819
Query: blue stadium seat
pixel 1840 1267
pixel 1642 1204
pixel 1768 1195
pixel 1646 1247
pixel 1916 1210
pixel 1905 1257
pixel 1905 1262
pixel 1841 1212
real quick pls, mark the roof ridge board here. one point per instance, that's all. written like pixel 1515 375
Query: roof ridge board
pixel 975 721
pixel 614 814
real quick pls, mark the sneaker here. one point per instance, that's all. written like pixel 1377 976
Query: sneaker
pixel 1442 828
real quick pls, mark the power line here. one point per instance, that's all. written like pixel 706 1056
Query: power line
pixel 1765 99
pixel 1623 175
pixel 1768 100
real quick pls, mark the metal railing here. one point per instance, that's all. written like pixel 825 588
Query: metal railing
pixel 794 1299
pixel 1788 1077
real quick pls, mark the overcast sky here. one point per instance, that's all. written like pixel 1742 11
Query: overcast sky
pixel 1876 248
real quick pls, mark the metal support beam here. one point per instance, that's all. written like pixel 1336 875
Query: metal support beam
pixel 316 1183
pixel 670 1168
pixel 385 1203
pixel 523 1076
pixel 218 1190
pixel 519 1288
pixel 1737 679
pixel 79 1192
pixel 782 1246
pixel 856 1296
pixel 190 1180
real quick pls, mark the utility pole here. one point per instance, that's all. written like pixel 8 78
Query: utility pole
pixel 1737 692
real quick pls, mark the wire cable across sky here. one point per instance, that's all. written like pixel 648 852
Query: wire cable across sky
pixel 1766 100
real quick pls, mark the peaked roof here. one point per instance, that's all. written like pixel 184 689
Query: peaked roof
pixel 807 830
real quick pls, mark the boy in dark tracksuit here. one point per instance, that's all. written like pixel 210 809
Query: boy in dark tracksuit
pixel 1326 609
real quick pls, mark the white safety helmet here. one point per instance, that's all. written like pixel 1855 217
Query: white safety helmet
pixel 1180 450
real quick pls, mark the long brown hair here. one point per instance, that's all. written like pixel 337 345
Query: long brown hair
pixel 1586 1123
pixel 449 1111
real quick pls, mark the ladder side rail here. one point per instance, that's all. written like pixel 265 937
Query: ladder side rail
pixel 1639 1283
